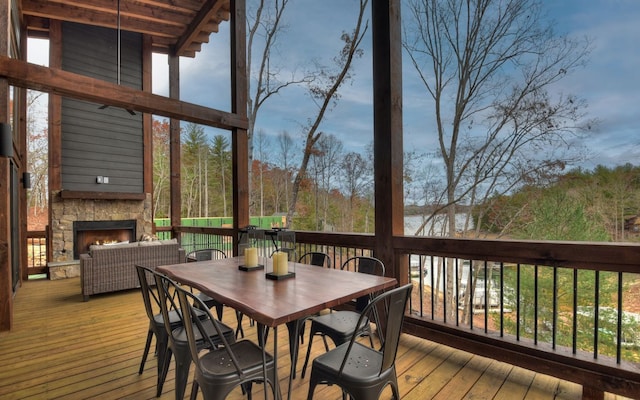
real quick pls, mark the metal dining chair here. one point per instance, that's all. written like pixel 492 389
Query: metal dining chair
pixel 345 365
pixel 156 322
pixel 341 325
pixel 224 367
pixel 178 343
pixel 214 254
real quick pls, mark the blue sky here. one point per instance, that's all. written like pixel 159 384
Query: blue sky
pixel 610 83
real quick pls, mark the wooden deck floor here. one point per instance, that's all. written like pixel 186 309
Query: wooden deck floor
pixel 64 348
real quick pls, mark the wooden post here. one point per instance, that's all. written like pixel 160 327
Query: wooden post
pixel 240 140
pixel 387 131
pixel 6 290
pixel 174 145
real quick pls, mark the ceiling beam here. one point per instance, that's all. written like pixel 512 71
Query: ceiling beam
pixel 209 9
pixel 67 84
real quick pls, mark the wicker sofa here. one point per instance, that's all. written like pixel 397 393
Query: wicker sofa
pixel 110 268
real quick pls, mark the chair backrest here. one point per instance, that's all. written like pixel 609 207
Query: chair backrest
pixel 206 254
pixel 365 265
pixel 394 302
pixel 168 302
pixel 190 304
pixel 149 296
pixel 316 258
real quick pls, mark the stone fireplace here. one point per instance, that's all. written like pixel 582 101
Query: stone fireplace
pixel 67 213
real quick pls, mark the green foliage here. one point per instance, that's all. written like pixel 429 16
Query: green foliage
pixel 206 185
pixel 593 205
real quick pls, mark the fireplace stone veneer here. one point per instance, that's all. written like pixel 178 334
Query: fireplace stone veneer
pixel 65 212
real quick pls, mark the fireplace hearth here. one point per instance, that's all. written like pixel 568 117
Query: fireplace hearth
pixel 87 233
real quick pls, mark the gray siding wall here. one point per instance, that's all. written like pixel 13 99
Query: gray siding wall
pixel 106 142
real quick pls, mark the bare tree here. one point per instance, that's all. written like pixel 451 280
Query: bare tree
pixel 265 24
pixel 161 171
pixel 286 148
pixel 221 159
pixel 37 148
pixel 488 67
pixel 263 156
pixel 325 93
pixel 355 173
pixel 326 164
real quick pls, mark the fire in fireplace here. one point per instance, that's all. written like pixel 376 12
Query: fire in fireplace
pixel 87 233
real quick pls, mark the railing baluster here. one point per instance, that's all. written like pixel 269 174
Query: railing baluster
pixel 501 299
pixel 518 272
pixel 596 314
pixel 574 333
pixel 619 324
pixel 487 298
pixel 554 317
pixel 535 303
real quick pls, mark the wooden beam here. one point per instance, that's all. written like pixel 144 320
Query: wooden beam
pixel 163 23
pixel 202 19
pixel 71 194
pixel 63 83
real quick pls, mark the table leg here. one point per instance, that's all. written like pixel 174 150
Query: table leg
pixel 262 340
pixel 294 334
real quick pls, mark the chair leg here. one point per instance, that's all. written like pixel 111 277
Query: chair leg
pixel 312 386
pixel 183 362
pixel 239 330
pixel 163 370
pixel 306 358
pixel 194 390
pixel 219 308
pixel 326 344
pixel 147 346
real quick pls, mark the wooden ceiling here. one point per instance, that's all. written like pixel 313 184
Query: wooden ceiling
pixel 175 26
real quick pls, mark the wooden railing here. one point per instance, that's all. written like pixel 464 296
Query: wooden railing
pixel 36 253
pixel 553 307
pixel 559 308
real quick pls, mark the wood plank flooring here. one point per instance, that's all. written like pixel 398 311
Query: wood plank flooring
pixel 64 348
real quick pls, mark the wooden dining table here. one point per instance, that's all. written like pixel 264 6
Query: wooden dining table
pixel 275 302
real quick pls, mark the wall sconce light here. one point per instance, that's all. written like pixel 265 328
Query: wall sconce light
pixel 6 140
pixel 26 180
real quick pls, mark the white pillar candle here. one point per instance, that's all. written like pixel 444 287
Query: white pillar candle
pixel 251 257
pixel 280 260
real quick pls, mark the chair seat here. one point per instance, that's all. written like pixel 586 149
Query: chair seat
pixel 363 364
pixel 339 325
pixel 180 335
pixel 249 356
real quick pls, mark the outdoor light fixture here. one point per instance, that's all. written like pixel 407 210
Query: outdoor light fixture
pixel 6 140
pixel 26 180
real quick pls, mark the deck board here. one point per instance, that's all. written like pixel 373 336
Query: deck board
pixel 64 348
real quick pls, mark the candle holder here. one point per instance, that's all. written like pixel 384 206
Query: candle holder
pixel 280 267
pixel 251 260
pixel 250 248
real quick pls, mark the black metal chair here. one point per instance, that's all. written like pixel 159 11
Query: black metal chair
pixel 341 325
pixel 223 368
pixel 178 345
pixel 316 258
pixel 214 254
pixel 156 322
pixel 362 371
